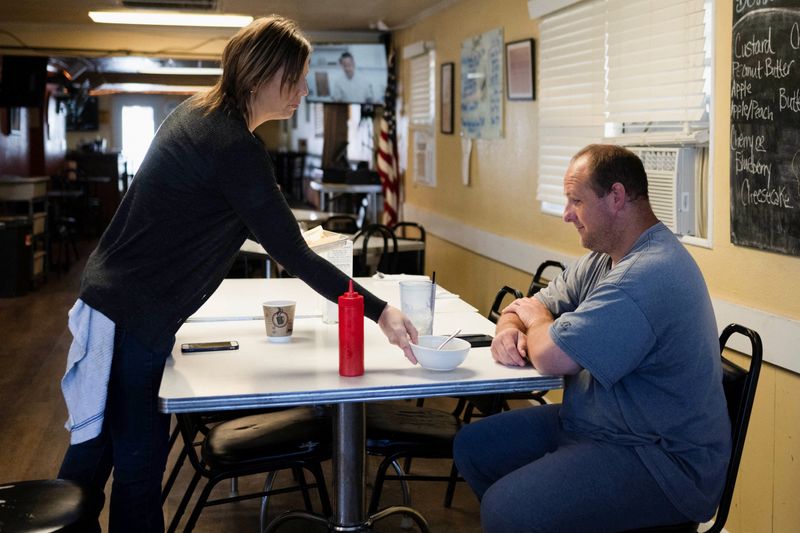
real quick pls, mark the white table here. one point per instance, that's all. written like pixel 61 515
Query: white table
pixel 371 190
pixel 305 371
pixel 241 299
pixel 375 242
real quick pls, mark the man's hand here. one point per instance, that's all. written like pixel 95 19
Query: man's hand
pixel 532 319
pixel 530 311
pixel 510 347
pixel 399 330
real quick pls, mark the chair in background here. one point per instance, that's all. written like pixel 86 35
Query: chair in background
pixel 293 439
pixel 387 257
pixel 536 283
pixel 494 311
pixel 487 404
pixel 411 262
pixel 63 241
pixel 396 431
pixel 469 406
pixel 49 505
pixel 341 224
pixel 740 391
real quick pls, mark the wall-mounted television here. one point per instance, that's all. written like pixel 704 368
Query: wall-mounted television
pixel 83 114
pixel 347 73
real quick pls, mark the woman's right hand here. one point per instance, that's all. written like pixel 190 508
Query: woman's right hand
pixel 399 330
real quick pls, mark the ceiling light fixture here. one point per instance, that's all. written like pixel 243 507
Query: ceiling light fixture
pixel 170 19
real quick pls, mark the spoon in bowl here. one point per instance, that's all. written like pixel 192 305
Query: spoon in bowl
pixel 448 339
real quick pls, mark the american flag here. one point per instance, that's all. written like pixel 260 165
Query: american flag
pixel 388 168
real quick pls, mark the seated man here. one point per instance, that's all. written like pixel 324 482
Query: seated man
pixel 642 437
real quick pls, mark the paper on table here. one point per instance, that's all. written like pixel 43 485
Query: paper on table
pixel 337 249
pixel 317 237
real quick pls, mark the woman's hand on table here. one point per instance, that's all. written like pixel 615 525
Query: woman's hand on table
pixel 399 330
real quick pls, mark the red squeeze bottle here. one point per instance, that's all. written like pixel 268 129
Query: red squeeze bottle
pixel 351 333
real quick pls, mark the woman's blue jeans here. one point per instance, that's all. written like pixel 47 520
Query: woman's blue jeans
pixel 134 440
pixel 532 476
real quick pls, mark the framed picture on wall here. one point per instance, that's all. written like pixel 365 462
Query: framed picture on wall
pixel 520 78
pixel 447 87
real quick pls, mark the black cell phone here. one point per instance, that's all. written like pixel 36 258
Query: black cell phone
pixel 209 346
pixel 476 340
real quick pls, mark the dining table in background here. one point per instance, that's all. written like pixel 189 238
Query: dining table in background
pixel 328 191
pixel 254 249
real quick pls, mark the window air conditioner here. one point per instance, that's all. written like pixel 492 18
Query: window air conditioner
pixel 671 185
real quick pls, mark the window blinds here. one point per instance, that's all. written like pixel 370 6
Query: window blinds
pixel 571 89
pixel 656 60
pixel 421 94
pixel 641 64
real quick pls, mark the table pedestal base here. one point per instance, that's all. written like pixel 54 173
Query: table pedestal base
pixel 366 525
pixel 349 457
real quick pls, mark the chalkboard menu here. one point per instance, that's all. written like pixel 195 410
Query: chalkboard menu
pixel 765 125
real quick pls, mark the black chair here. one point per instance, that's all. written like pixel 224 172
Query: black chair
pixel 494 311
pixel 396 431
pixel 341 224
pixel 536 283
pixel 293 439
pixel 387 259
pixel 49 505
pixel 62 241
pixel 410 262
pixel 740 391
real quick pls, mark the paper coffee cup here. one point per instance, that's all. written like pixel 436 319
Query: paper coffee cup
pixel 279 320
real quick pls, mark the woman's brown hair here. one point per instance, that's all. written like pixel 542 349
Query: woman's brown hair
pixel 252 57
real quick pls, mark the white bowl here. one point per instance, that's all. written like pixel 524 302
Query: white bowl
pixel 448 358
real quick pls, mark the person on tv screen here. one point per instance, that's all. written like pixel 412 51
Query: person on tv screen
pixel 352 87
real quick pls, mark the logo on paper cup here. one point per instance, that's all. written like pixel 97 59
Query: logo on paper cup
pixel 280 319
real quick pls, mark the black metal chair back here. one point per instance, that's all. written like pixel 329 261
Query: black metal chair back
pixel 415 232
pixel 294 439
pixel 494 312
pixel 387 259
pixel 740 392
pixel 536 283
pixel 341 224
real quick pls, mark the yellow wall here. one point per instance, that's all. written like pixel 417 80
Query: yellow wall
pixel 501 200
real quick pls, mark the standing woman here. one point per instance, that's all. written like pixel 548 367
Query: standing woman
pixel 205 184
